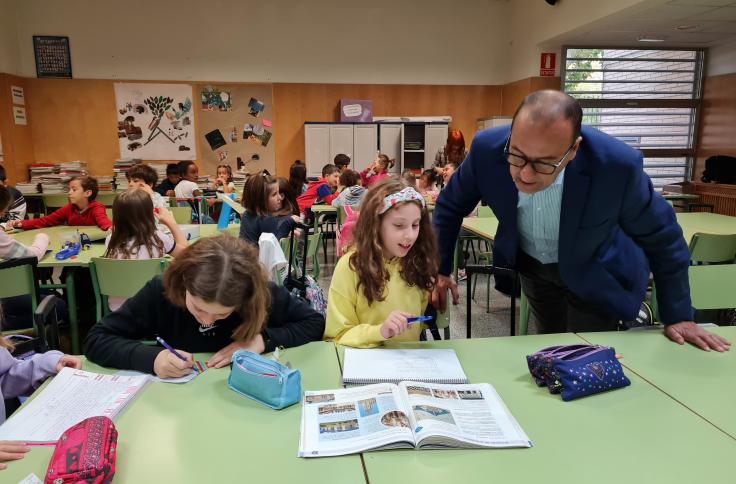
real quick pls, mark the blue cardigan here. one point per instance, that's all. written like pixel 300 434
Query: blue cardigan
pixel 613 226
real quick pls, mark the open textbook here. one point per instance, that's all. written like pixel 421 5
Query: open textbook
pixel 72 396
pixel 407 415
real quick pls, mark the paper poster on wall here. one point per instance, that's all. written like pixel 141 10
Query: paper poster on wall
pixel 213 99
pixel 19 96
pixel 19 115
pixel 215 139
pixel 155 121
pixel 256 107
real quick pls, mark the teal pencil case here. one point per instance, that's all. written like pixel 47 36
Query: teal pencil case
pixel 264 380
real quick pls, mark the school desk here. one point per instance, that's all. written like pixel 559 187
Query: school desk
pixel 483 227
pixel 49 261
pixel 635 434
pixel 702 381
pixel 690 223
pixel 203 432
pixel 320 209
pixel 710 223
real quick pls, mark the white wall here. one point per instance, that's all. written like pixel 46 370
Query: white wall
pixel 534 25
pixel 381 41
pixel 721 59
pixel 9 59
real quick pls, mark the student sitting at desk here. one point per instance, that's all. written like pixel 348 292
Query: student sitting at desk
pixel 261 198
pixel 377 171
pixel 17 208
pixel 214 298
pixel 134 233
pixel 11 248
pixel 224 181
pixel 320 190
pixel 166 187
pixel 351 192
pixel 144 177
pixel 82 208
pixel 378 287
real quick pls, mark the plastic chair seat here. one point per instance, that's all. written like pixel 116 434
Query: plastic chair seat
pixel 121 278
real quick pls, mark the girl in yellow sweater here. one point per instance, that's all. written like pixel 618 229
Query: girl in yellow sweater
pixel 387 277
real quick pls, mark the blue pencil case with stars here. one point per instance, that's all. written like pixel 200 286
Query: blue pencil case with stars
pixel 595 372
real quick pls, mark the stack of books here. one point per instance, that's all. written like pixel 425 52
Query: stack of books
pixel 203 182
pixel 27 188
pixel 119 168
pixel 73 168
pixel 55 183
pixel 239 181
pixel 105 183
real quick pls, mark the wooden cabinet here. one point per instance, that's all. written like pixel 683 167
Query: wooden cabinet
pixel 413 145
pixel 390 143
pixel 316 148
pixel 365 145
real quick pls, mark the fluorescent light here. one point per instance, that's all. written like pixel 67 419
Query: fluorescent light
pixel 649 39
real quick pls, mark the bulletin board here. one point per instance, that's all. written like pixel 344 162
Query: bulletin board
pixel 235 121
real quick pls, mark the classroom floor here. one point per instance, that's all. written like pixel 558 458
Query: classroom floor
pixel 495 323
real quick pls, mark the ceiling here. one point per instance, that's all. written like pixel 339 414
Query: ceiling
pixel 679 23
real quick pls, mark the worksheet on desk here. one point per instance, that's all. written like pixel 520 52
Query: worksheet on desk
pixel 72 396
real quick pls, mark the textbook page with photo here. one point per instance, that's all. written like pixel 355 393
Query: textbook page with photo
pixel 70 397
pixel 407 415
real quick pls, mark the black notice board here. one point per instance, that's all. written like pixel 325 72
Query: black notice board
pixel 52 56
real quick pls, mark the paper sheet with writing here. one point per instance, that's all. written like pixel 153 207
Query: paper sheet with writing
pixel 393 365
pixel 72 396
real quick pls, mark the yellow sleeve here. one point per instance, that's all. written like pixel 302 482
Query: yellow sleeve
pixel 343 323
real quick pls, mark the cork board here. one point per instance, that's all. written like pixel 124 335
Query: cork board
pixel 235 121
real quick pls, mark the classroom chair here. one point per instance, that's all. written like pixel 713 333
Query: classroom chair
pixel 711 286
pixel 705 249
pixel 121 277
pixel 713 248
pixel 52 201
pixel 19 277
pixel 182 215
pixel 313 252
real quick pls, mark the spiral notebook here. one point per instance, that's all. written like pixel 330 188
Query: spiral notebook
pixel 363 367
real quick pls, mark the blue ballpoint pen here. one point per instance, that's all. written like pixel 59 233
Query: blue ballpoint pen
pixel 168 347
pixel 418 319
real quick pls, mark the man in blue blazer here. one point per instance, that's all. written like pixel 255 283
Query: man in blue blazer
pixel 578 218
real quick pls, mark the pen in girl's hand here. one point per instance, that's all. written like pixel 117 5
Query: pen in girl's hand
pixel 418 319
pixel 168 347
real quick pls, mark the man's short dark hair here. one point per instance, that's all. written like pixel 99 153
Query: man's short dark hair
pixel 329 169
pixel 143 172
pixel 172 169
pixel 548 106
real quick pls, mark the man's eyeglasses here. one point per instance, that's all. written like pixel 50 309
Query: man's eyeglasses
pixel 541 167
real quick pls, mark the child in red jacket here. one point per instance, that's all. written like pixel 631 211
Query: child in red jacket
pixel 321 190
pixel 82 209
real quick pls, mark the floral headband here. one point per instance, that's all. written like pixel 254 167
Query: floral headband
pixel 408 194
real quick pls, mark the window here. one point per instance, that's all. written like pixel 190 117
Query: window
pixel 649 99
